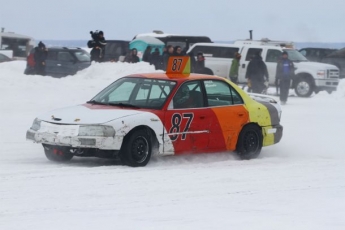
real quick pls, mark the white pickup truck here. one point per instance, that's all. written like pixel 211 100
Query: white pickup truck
pixel 310 76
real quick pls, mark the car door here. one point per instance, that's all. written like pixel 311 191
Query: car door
pixel 66 63
pixel 271 60
pixel 52 67
pixel 187 120
pixel 229 113
pixel 247 55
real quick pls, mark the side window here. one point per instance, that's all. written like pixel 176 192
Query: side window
pixel 65 56
pixel 303 52
pixel 228 52
pixel 52 55
pixel 219 93
pixel 189 95
pixel 251 52
pixel 208 51
pixel 273 55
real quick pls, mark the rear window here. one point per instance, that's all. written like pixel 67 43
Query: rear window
pixel 214 51
pixel 82 56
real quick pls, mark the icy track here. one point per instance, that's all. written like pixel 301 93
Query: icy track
pixel 298 184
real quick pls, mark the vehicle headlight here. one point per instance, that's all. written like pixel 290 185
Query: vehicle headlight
pixel 321 73
pixel 36 125
pixel 96 130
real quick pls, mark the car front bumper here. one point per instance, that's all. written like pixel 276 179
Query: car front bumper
pixel 326 84
pixel 105 143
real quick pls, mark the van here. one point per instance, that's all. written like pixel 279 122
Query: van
pixel 310 76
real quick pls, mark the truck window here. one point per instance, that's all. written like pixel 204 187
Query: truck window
pixel 273 55
pixel 217 52
pixel 251 52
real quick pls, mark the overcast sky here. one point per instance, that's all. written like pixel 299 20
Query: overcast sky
pixel 295 20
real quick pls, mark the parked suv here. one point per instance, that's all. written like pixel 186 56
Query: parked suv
pixel 310 76
pixel 61 61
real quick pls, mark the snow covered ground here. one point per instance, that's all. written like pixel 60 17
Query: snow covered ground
pixel 297 184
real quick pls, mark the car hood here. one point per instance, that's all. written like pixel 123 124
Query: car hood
pixel 315 65
pixel 87 114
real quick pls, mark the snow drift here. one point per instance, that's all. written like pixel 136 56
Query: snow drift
pixel 297 184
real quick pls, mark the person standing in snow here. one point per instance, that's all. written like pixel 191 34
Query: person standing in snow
pixel 40 57
pixel 97 44
pixel 147 54
pixel 200 65
pixel 284 74
pixel 133 56
pixel 167 55
pixel 156 59
pixel 257 74
pixel 234 68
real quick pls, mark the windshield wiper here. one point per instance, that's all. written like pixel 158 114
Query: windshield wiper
pixel 124 105
pixel 94 102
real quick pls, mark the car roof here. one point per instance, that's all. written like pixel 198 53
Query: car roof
pixel 177 77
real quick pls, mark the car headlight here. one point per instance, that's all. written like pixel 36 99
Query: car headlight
pixel 36 125
pixel 321 73
pixel 96 130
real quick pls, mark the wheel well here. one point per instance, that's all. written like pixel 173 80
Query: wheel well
pixel 155 142
pixel 306 76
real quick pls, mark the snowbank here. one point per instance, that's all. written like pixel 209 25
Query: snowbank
pixel 340 89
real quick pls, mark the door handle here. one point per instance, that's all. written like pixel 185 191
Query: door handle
pixel 243 66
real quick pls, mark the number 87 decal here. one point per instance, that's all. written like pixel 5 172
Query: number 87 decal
pixel 176 121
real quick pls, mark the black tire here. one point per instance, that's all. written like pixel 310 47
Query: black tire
pixel 304 87
pixel 249 143
pixel 137 148
pixel 57 153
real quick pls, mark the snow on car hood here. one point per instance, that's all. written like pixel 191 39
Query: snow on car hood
pixel 315 65
pixel 86 114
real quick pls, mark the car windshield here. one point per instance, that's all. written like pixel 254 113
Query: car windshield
pixel 82 56
pixel 136 93
pixel 295 56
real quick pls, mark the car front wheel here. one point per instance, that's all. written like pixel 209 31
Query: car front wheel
pixel 137 148
pixel 249 143
pixel 304 87
pixel 57 153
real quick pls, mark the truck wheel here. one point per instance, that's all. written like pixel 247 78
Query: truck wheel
pixel 57 153
pixel 137 148
pixel 249 143
pixel 304 87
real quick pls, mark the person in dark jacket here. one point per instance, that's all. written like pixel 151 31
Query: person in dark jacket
pixel 97 44
pixel 200 65
pixel 40 57
pixel 167 55
pixel 178 51
pixel 156 59
pixel 284 74
pixel 147 54
pixel 133 56
pixel 257 73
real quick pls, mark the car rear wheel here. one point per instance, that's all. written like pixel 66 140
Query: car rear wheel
pixel 57 153
pixel 137 148
pixel 249 143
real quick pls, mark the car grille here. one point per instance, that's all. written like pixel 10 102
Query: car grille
pixel 332 73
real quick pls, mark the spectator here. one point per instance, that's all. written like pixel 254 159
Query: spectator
pixel 178 51
pixel 234 68
pixel 200 65
pixel 257 74
pixel 284 74
pixel 156 59
pixel 167 55
pixel 147 54
pixel 40 57
pixel 98 46
pixel 133 56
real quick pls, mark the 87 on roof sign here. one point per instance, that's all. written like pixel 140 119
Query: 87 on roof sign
pixel 178 65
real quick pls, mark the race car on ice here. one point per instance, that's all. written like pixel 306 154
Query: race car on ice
pixel 163 113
